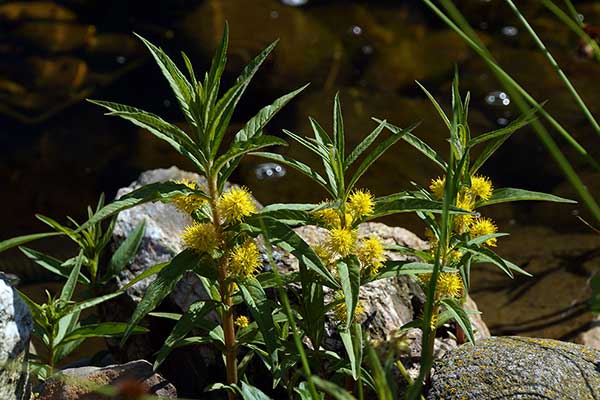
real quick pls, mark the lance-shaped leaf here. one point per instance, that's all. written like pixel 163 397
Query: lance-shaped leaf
pixel 104 329
pixel 290 214
pixel 298 166
pixel 454 307
pixel 51 264
pixel 164 283
pixel 331 159
pixel 19 240
pixel 349 272
pixel 284 237
pixel 418 144
pixel 225 107
pixel 188 321
pixel 126 252
pixel 69 288
pixel 505 195
pixel 377 152
pixel 160 128
pixel 393 205
pixel 353 343
pixel 253 144
pixel 159 191
pixel 362 146
pixel 181 87
pixel 509 129
pixel 338 128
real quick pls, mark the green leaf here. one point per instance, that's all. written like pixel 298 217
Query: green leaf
pixel 160 128
pixel 460 315
pixel 330 159
pixel 437 106
pixel 226 106
pixel 253 144
pixel 181 87
pixel 337 392
pixel 104 329
pixel 482 239
pixel 253 393
pixel 509 129
pixel 69 288
pixel 504 195
pixel 352 340
pixel 298 166
pixel 418 144
pixel 126 252
pixel 188 321
pixel 382 387
pixel 349 273
pixel 284 237
pixel 366 142
pixel 51 264
pixel 375 154
pixel 19 240
pixel 83 305
pixel 338 128
pixel 262 311
pixel 290 214
pixel 394 205
pixel 164 283
pixel 159 191
pixel 155 269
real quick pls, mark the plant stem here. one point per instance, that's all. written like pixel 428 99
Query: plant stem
pixel 225 287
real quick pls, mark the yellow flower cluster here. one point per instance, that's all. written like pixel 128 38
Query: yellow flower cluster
pixel 242 321
pixel 481 227
pixel 437 187
pixel 236 204
pixel 340 309
pixel 201 238
pixel 481 186
pixel 342 241
pixel 449 284
pixel 361 203
pixel 190 202
pixel 370 253
pixel 244 260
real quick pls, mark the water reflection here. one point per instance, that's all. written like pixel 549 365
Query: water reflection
pixel 269 171
pixel 497 98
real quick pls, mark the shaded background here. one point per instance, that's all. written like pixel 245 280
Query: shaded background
pixel 58 152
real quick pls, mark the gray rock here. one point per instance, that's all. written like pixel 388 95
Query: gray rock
pixel 517 368
pixel 16 327
pixel 79 383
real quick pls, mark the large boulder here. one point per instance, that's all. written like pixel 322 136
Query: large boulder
pixel 135 377
pixel 16 327
pixel 517 368
pixel 388 303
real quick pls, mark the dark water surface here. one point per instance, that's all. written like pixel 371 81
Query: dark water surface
pixel 58 153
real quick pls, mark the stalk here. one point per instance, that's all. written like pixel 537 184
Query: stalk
pixel 225 288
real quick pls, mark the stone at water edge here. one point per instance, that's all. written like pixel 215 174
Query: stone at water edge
pixel 79 383
pixel 16 327
pixel 515 367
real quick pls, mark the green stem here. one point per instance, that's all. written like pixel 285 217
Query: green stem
pixel 226 290
pixel 288 312
pixel 559 71
pixel 572 10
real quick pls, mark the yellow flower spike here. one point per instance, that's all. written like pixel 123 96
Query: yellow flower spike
pixel 462 221
pixel 370 253
pixel 342 241
pixel 481 187
pixel 437 187
pixel 454 256
pixel 242 321
pixel 201 238
pixel 328 217
pixel 245 260
pixel 450 284
pixel 236 204
pixel 190 202
pixel 482 227
pixel 360 203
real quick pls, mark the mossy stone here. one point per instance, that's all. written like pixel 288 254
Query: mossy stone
pixel 517 368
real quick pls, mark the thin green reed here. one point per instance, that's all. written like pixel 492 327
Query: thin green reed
pixel 521 97
pixel 586 111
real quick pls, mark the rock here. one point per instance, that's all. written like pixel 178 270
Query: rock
pixel 79 383
pixel 517 368
pixel 16 327
pixel 591 336
pixel 551 303
pixel 388 303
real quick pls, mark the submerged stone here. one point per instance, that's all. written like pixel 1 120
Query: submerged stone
pixel 517 368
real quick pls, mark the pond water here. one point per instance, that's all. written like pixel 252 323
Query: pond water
pixel 58 152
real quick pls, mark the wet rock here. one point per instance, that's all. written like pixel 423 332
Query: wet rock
pixel 591 336
pixel 79 383
pixel 306 50
pixel 16 327
pixel 551 303
pixel 517 368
